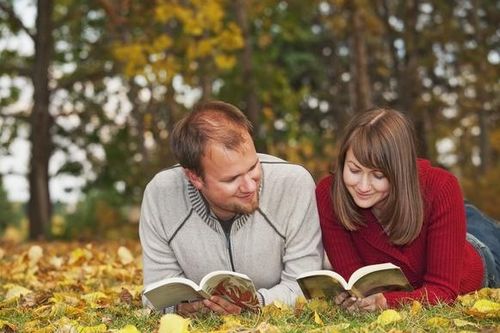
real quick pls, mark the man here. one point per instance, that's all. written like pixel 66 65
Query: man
pixel 225 207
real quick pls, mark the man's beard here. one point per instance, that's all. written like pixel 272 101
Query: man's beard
pixel 248 208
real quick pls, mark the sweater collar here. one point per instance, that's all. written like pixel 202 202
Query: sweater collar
pixel 201 207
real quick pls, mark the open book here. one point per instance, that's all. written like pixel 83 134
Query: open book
pixel 235 287
pixel 366 281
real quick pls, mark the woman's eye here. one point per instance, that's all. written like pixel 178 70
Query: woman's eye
pixel 354 170
pixel 379 176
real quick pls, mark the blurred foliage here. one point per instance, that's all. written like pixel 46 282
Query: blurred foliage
pixel 123 72
pixel 10 215
pixel 103 214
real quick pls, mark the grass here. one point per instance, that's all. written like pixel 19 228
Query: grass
pixel 75 287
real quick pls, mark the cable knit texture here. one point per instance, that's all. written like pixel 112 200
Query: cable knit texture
pixel 440 264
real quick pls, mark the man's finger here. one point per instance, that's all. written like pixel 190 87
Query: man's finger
pixel 226 305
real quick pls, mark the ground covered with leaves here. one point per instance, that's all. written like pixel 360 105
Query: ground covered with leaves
pixel 95 287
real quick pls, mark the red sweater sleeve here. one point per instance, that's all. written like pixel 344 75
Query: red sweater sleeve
pixel 337 240
pixel 445 244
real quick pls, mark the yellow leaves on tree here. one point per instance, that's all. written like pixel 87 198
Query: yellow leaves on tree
pixel 202 34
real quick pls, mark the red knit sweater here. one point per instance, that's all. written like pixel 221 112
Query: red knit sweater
pixel 440 264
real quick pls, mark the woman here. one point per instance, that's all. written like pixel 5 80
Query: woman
pixel 384 205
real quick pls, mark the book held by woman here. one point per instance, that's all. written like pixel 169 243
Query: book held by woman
pixel 365 281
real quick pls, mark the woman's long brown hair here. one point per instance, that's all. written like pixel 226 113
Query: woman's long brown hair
pixel 383 139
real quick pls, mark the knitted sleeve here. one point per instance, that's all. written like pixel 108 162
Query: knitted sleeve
pixel 337 240
pixel 303 250
pixel 159 261
pixel 445 244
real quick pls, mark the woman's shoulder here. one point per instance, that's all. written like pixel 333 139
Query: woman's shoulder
pixel 430 172
pixel 434 179
pixel 325 183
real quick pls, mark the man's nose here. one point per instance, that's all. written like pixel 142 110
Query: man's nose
pixel 248 184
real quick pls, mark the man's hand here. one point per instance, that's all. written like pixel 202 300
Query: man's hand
pixel 216 304
pixel 191 309
pixel 371 303
pixel 222 306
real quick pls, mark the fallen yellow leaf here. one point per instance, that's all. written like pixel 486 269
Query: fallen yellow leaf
pixel 317 319
pixel 125 255
pixel 276 309
pixel 318 304
pixel 61 309
pixel 230 323
pixel 280 305
pixel 95 297
pixel 5 324
pixel 388 317
pixel 92 329
pixel 484 305
pixel 172 323
pixel 265 327
pixel 35 253
pixel 16 291
pixel 56 262
pixel 78 255
pixel 463 323
pixel 438 322
pixel 129 329
pixel 484 308
pixel 416 308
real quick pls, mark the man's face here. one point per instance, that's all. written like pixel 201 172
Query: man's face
pixel 232 179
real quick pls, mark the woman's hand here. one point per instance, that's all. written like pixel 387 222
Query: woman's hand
pixel 371 303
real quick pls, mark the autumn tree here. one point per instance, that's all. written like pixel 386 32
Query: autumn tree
pixel 64 76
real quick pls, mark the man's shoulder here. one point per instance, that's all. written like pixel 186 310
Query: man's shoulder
pixel 273 163
pixel 283 176
pixel 168 181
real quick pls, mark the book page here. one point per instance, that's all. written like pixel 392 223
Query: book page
pixel 321 284
pixel 368 269
pixel 380 281
pixel 235 287
pixel 172 291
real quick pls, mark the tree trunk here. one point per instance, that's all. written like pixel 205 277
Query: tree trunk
pixel 409 81
pixel 252 101
pixel 359 67
pixel 39 206
pixel 485 151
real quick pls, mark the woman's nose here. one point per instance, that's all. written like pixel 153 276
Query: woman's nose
pixel 364 184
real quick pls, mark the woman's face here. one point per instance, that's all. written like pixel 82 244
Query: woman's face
pixel 368 187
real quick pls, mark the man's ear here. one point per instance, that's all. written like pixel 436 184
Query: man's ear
pixel 196 180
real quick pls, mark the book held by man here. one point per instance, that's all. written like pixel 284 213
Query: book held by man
pixel 365 281
pixel 235 287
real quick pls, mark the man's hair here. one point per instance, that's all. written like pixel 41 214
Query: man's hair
pixel 383 139
pixel 216 122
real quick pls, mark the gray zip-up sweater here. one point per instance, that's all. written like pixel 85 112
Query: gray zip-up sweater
pixel 180 237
